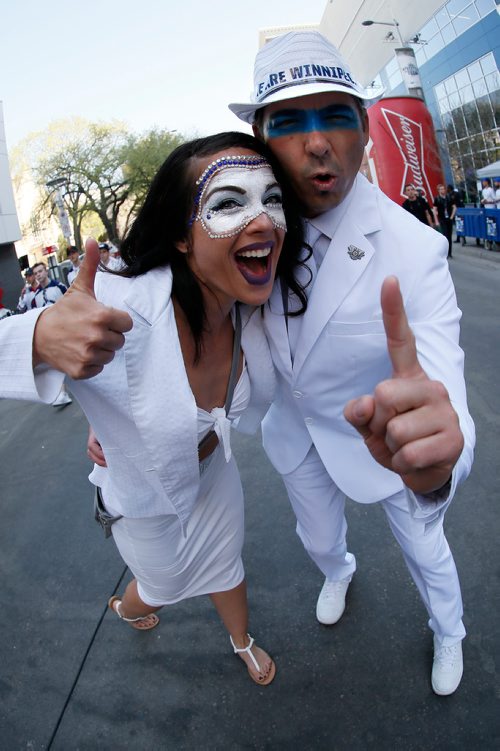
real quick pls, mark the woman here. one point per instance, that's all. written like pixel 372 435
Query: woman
pixel 211 233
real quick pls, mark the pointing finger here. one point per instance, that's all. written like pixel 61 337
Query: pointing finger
pixel 400 338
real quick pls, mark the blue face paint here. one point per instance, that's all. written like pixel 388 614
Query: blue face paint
pixel 290 122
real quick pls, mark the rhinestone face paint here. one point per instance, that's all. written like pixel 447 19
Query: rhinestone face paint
pixel 292 121
pixel 233 192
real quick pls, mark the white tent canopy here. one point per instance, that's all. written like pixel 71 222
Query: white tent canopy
pixel 491 170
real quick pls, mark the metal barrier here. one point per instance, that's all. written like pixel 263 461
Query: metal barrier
pixel 480 224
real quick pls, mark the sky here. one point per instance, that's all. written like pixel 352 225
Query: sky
pixel 172 64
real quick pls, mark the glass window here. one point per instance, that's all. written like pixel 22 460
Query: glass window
pixel 465 20
pixel 485 6
pixel 485 113
pixel 467 94
pixel 450 85
pixel 440 91
pixel 449 33
pixel 453 149
pixel 444 105
pixel 464 146
pixel 492 139
pixel 477 143
pixel 492 82
pixel 433 45
pixel 483 158
pixel 442 17
pixel 462 78
pixel 472 118
pixel 454 100
pixel 468 166
pixel 479 88
pixel 454 7
pixel 475 71
pixel 488 64
pixel 430 29
pixel 495 103
pixel 448 126
pixel 458 119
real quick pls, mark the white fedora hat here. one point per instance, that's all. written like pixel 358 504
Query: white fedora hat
pixel 296 64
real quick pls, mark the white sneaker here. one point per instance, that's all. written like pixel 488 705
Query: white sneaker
pixel 331 601
pixel 63 398
pixel 447 668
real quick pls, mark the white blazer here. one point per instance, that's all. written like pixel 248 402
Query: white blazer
pixel 341 350
pixel 141 406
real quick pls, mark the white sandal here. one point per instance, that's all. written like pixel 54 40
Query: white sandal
pixel 265 679
pixel 143 623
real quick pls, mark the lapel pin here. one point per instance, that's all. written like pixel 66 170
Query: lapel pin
pixel 355 253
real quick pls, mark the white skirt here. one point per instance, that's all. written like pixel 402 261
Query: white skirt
pixel 170 567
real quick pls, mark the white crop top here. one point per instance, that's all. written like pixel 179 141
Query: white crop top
pixel 217 420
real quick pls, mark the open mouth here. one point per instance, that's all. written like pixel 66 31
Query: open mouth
pixel 324 181
pixel 254 264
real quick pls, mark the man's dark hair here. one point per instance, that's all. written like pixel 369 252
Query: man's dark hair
pixel 163 221
pixel 40 263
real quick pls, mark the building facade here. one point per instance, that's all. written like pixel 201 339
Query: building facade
pixel 458 54
pixel 10 272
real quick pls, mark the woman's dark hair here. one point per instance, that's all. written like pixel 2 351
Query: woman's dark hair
pixel 164 217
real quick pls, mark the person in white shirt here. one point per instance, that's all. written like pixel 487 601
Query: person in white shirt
pixel 409 440
pixel 496 185
pixel 107 260
pixel 74 257
pixel 160 373
pixel 27 292
pixel 488 197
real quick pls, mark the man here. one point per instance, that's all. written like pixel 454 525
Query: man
pixel 27 292
pixel 496 185
pixel 405 446
pixel 458 196
pixel 107 260
pixel 488 197
pixel 48 292
pixel 74 256
pixel 417 205
pixel 445 210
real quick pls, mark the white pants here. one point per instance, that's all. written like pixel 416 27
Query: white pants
pixel 321 525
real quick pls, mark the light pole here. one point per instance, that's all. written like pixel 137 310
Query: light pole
pixel 56 186
pixel 386 23
pixel 58 183
pixel 405 56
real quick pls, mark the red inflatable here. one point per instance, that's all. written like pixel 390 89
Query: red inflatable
pixel 403 148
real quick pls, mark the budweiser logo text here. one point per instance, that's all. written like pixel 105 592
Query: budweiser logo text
pixel 408 137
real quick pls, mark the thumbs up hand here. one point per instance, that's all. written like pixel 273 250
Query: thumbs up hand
pixel 79 335
pixel 409 424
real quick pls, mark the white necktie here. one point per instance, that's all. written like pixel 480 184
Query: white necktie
pixel 319 243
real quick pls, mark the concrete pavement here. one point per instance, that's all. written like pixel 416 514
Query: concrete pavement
pixel 73 677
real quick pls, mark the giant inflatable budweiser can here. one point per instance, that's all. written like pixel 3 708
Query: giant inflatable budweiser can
pixel 403 148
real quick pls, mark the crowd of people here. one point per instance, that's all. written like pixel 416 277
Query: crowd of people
pixel 441 215
pixel 266 281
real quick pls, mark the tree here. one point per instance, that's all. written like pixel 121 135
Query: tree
pixel 100 169
pixel 142 158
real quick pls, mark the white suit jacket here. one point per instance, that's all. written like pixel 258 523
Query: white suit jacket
pixel 141 406
pixel 341 349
